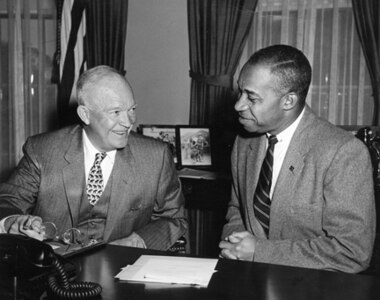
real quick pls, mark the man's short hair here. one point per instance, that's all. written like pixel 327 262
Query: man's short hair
pixel 289 65
pixel 92 77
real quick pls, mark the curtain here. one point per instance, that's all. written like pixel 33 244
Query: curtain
pixel 106 33
pixel 217 34
pixel 367 15
pixel 325 31
pixel 27 96
pixel 17 80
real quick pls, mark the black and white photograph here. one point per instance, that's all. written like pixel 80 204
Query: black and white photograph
pixel 142 137
pixel 195 146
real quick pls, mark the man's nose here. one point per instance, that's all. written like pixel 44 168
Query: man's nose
pixel 125 119
pixel 241 104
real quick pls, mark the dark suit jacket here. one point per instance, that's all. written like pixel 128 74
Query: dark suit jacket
pixel 322 212
pixel 146 195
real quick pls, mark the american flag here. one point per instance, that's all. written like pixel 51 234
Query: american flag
pixel 70 52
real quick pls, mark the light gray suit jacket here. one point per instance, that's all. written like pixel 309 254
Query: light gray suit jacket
pixel 146 195
pixel 322 212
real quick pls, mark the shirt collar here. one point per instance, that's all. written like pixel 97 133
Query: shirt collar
pixel 90 150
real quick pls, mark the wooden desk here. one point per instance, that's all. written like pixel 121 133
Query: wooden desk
pixel 234 280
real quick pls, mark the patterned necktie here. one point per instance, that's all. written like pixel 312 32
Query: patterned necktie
pixel 95 179
pixel 261 199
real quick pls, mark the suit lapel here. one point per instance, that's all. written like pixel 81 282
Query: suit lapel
pixel 255 159
pixel 73 174
pixel 124 170
pixel 290 171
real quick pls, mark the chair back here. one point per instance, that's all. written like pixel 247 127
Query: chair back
pixel 370 137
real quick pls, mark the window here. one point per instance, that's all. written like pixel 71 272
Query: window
pixel 27 95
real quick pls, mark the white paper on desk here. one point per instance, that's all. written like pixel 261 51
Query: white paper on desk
pixel 170 269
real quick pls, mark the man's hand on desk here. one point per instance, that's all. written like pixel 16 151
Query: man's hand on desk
pixel 24 224
pixel 238 245
pixel 134 240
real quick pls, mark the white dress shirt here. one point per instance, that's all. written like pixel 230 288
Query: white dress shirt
pixel 89 158
pixel 280 149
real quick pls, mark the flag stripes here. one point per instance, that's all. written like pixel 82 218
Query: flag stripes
pixel 72 60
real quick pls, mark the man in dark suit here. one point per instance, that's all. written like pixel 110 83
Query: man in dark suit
pixel 131 196
pixel 313 206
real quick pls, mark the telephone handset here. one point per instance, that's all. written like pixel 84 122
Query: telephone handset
pixel 29 260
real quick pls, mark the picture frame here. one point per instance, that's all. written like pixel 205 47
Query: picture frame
pixel 194 147
pixel 165 133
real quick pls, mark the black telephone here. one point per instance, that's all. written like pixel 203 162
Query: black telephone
pixel 28 267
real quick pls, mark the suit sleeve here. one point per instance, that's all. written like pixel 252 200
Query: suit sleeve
pixel 168 221
pixel 233 217
pixel 346 240
pixel 19 193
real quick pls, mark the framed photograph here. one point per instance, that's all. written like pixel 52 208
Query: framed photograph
pixel 194 146
pixel 165 133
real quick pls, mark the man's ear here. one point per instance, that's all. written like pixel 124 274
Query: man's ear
pixel 84 114
pixel 290 101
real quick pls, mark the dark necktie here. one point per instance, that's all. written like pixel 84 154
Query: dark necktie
pixel 261 199
pixel 95 179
